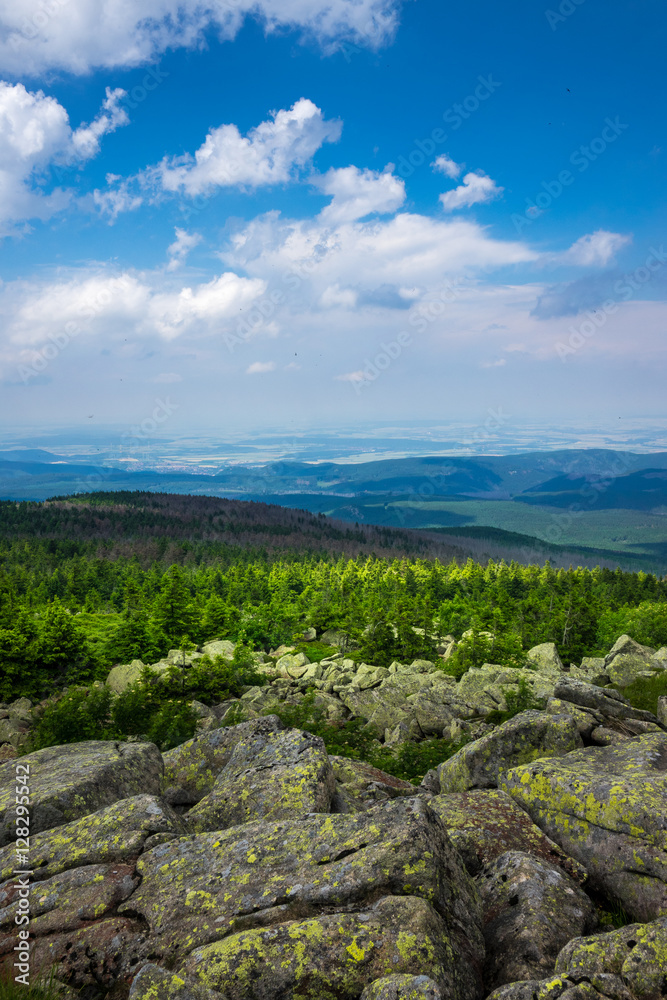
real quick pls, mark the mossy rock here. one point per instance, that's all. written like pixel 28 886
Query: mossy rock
pixel 403 987
pixel 271 775
pixel 333 957
pixel 197 890
pixel 528 736
pixel 71 781
pixel 606 807
pixel 113 834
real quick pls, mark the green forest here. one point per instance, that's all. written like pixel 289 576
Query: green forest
pixel 89 582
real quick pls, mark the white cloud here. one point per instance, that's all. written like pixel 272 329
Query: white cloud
pixel 595 249
pixel 357 193
pixel 403 252
pixel 181 247
pixel 35 134
pixel 334 297
pixel 494 364
pixel 118 199
pixel 78 35
pixel 476 189
pixel 445 165
pixel 260 367
pixel 166 378
pixel 271 153
pixel 353 377
pixel 115 307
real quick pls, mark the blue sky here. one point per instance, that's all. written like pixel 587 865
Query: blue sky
pixel 331 212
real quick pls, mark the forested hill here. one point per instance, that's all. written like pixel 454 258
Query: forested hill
pixel 86 582
pixel 172 528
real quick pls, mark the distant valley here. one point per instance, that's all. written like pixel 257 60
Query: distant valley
pixel 594 503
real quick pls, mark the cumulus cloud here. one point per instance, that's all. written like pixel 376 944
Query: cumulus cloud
pixel 80 35
pixel 595 249
pixel 260 367
pixel 406 251
pixel 475 190
pixel 181 247
pixel 357 193
pixel 445 165
pixel 35 134
pixel 116 306
pixel 271 153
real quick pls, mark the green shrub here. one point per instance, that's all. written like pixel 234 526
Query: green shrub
pixel 517 701
pixel 646 623
pixel 409 761
pixel 42 987
pixel 214 679
pixel 142 711
pixel 645 691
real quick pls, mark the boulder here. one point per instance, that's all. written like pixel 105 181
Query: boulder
pixel 401 987
pixel 70 900
pixel 124 674
pixel 585 719
pixel 116 833
pixel 71 781
pixel 219 647
pixel 270 775
pixel 592 670
pixel 154 983
pixel 531 910
pixel 627 660
pixel 485 824
pixel 190 770
pixel 335 955
pixel 360 785
pixel 636 953
pixel 527 737
pixel 606 807
pixel 545 658
pixel 608 702
pixel 197 890
pixel 294 665
pixel 662 710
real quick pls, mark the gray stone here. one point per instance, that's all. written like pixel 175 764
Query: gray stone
pixel 154 983
pixel 531 910
pixel 71 781
pixel 527 737
pixel 190 770
pixel 399 987
pixel 606 807
pixel 269 775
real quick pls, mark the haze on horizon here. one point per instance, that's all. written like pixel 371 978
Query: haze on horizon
pixel 333 215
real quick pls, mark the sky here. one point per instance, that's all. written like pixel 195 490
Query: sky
pixel 301 213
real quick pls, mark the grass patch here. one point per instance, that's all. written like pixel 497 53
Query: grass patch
pixel 645 691
pixel 42 987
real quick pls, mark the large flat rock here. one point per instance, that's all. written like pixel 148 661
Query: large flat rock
pixel 70 781
pixel 197 890
pixel 606 807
